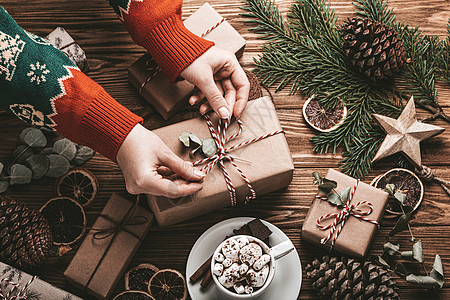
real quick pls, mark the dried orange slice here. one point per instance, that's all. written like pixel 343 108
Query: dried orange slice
pixel 137 278
pixel 78 184
pixel 322 119
pixel 168 284
pixel 133 295
pixel 66 218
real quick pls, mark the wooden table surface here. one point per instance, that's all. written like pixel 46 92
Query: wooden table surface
pixel 111 51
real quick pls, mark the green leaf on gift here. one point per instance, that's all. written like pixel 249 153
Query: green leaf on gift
pixel 209 147
pixel 400 197
pixel 83 155
pixel 438 272
pixel 409 255
pixel 195 139
pixel 327 186
pixel 4 184
pixel 402 222
pixel 345 194
pixel 66 148
pixel 59 166
pixel 33 137
pixel 317 178
pixel 418 251
pixel 21 153
pixel 423 281
pixel 390 188
pixel 20 174
pixel 184 138
pixel 38 164
pixel 335 199
pixel 400 269
pixel 383 262
pixel 390 248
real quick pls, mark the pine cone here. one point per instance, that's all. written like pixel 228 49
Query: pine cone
pixel 25 236
pixel 347 278
pixel 373 48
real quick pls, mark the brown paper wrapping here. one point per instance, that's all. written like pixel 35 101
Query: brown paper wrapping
pixel 64 42
pixel 40 288
pixel 356 235
pixel 168 97
pixel 269 163
pixel 97 268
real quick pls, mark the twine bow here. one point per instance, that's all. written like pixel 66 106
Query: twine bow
pixel 15 292
pixel 222 155
pixel 427 174
pixel 153 67
pixel 341 217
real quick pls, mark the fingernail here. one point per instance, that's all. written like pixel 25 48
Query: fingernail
pixel 199 173
pixel 224 113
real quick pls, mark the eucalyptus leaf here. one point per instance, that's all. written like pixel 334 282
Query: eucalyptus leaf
pixel 418 251
pixel 390 248
pixel 20 174
pixel 66 148
pixel 38 164
pixel 47 151
pixel 400 269
pixel 209 147
pixel 402 222
pixel 4 184
pixel 59 166
pixel 25 131
pixel 335 199
pixel 423 281
pixel 34 137
pixel 83 155
pixel 317 178
pixel 383 262
pixel 21 153
pixel 195 139
pixel 327 186
pixel 390 188
pixel 184 138
pixel 345 194
pixel 407 255
pixel 438 272
pixel 1 167
pixel 400 197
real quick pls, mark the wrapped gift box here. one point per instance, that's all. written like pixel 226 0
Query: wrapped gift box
pixel 37 289
pixel 267 163
pixel 102 259
pixel 356 235
pixel 64 42
pixel 168 97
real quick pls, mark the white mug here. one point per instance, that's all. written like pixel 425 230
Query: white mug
pixel 275 253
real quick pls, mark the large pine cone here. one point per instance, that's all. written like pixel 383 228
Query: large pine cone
pixel 373 48
pixel 347 278
pixel 25 236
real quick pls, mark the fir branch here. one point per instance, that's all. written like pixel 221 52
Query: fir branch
pixel 444 59
pixel 375 10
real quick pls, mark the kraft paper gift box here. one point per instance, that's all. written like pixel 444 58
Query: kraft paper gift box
pixel 168 97
pixel 37 289
pixel 267 163
pixel 356 235
pixel 102 259
pixel 64 42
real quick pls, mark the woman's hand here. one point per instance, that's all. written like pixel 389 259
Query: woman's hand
pixel 149 166
pixel 215 73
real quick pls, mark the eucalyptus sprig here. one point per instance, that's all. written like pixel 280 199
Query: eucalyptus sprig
pixel 207 146
pixel 327 190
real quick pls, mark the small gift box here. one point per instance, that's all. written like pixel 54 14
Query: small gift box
pixel 64 42
pixel 109 247
pixel 260 162
pixel 16 284
pixel 156 88
pixel 348 228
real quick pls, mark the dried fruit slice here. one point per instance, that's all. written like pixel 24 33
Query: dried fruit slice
pixel 168 284
pixel 80 185
pixel 405 182
pixel 137 278
pixel 66 218
pixel 322 119
pixel 133 295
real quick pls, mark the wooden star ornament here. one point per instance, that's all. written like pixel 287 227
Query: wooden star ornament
pixel 404 134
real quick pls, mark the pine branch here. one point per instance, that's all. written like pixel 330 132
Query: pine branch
pixel 375 10
pixel 444 59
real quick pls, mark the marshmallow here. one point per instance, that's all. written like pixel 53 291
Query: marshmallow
pixel 248 290
pixel 227 281
pixel 250 253
pixel 219 257
pixel 261 262
pixel 239 288
pixel 234 270
pixel 231 249
pixel 257 279
pixel 227 262
pixel 218 269
pixel 242 241
pixel 243 269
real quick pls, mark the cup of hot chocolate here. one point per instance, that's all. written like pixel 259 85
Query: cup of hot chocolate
pixel 243 266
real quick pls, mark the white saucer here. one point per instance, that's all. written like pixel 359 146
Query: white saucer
pixel 288 275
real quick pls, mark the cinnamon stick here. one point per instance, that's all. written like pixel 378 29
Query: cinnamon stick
pixel 201 271
pixel 207 279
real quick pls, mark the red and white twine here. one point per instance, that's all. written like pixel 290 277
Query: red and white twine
pixel 14 293
pixel 155 69
pixel 341 217
pixel 222 155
